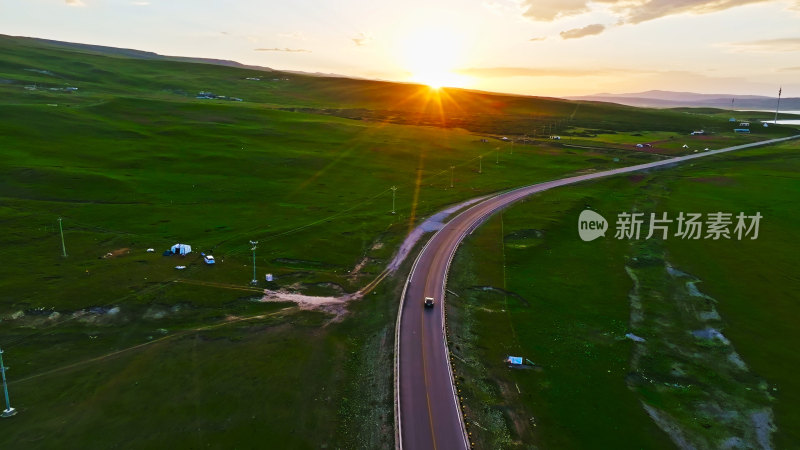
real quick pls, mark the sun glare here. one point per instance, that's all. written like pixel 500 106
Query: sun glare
pixel 431 55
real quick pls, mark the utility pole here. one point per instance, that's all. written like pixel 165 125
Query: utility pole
pixel 9 411
pixel 497 155
pixel 779 104
pixel 394 191
pixel 480 164
pixel 452 168
pixel 63 246
pixel 255 245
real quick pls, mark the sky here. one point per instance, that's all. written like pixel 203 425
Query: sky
pixel 532 47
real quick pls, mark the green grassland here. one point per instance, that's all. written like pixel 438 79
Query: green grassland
pixel 115 343
pixel 741 116
pixel 665 143
pixel 566 305
pixel 112 346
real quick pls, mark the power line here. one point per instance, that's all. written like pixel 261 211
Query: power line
pixel 779 104
pixel 394 191
pixel 63 246
pixel 254 245
pixel 9 411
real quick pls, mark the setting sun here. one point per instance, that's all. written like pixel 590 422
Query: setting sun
pixel 431 56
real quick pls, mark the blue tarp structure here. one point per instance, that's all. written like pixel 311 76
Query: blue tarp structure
pixel 515 360
pixel 181 249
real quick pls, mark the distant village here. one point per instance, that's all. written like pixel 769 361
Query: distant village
pixel 211 96
pixel 206 95
pixel 33 87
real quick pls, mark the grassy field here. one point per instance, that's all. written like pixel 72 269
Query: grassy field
pixel 663 143
pixel 741 116
pixel 114 338
pixel 566 305
pixel 109 338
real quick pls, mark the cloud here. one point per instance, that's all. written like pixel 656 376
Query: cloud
pixel 76 3
pixel 140 3
pixel 653 9
pixel 767 45
pixel 362 39
pixel 507 72
pixel 501 7
pixel 297 35
pixel 493 7
pixel 790 69
pixel 588 30
pixel 627 11
pixel 549 10
pixel 536 39
pixel 287 50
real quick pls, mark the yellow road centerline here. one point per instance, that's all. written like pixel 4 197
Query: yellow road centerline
pixel 425 376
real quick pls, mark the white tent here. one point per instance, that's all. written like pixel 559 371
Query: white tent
pixel 181 249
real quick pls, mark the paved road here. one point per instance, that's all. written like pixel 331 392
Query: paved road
pixel 427 414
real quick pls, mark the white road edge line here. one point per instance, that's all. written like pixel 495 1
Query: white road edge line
pixel 398 434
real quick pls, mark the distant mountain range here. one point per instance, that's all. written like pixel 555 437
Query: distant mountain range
pixel 669 99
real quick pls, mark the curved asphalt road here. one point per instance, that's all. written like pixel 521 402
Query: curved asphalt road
pixel 427 414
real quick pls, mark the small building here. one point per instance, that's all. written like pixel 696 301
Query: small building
pixel 744 125
pixel 514 360
pixel 732 119
pixel 639 146
pixel 741 130
pixel 685 146
pixel 181 249
pixel 766 125
pixel 634 337
pixel 503 138
pixel 698 133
